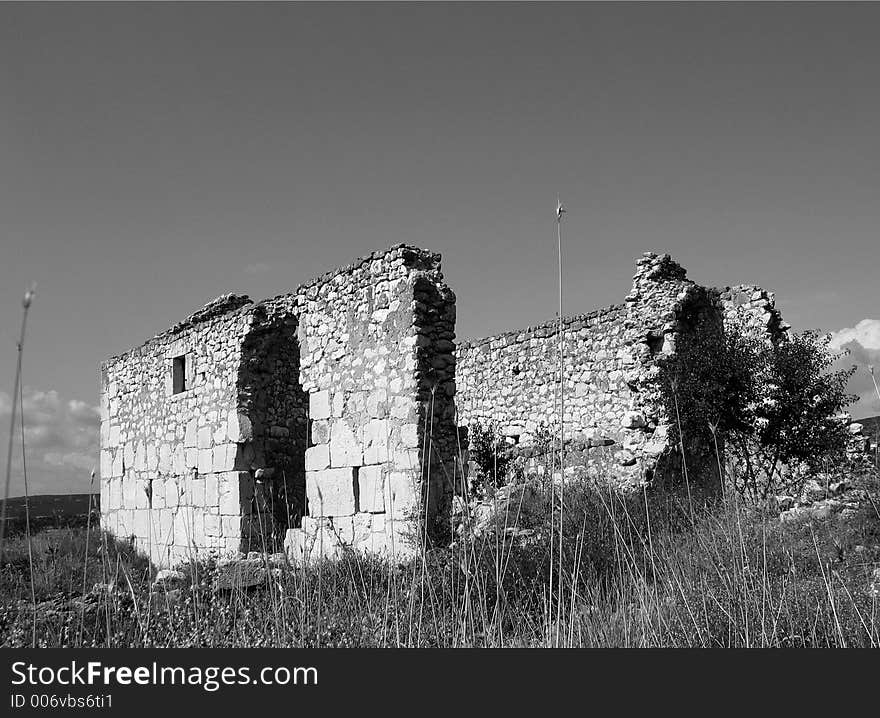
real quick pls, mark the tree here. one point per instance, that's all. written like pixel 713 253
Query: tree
pixel 788 421
pixel 771 405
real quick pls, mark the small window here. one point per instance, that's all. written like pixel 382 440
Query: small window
pixel 178 374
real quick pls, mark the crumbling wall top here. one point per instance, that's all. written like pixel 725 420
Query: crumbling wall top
pixel 414 257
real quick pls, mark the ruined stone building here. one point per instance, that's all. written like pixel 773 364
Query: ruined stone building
pixel 612 364
pixel 327 417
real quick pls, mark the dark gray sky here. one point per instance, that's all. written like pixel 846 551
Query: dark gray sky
pixel 155 156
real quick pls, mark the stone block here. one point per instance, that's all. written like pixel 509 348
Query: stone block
pixel 117 468
pixel 337 405
pixel 129 492
pixel 319 405
pixel 190 438
pixel 206 461
pixel 239 428
pixel 164 461
pixel 330 492
pixel 230 527
pixel 400 494
pixel 223 458
pixel 409 436
pixel 371 496
pixel 375 440
pixel 196 487
pixel 157 494
pixel 140 456
pixel 152 458
pixel 128 455
pixel 212 491
pixel 172 494
pixel 212 524
pixel 105 494
pixel 106 463
pixel 205 438
pixel 141 498
pixel 178 460
pixel 406 460
pixel 318 457
pixel 345 450
pixel 230 488
pixel 320 431
pixel 141 525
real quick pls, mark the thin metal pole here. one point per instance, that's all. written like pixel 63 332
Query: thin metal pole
pixel 559 212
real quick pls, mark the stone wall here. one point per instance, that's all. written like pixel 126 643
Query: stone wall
pixel 377 361
pixel 183 472
pixel 753 309
pixel 323 417
pixel 326 418
pixel 614 360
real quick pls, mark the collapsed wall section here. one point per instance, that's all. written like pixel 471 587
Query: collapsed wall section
pixel 377 361
pixel 187 422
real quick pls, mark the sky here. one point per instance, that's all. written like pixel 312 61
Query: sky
pixel 155 156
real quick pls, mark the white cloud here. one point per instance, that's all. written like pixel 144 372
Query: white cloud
pixel 862 344
pixel 61 440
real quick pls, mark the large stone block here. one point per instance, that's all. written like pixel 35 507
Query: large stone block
pixel 117 468
pixel 223 458
pixel 106 463
pixel 406 460
pixel 205 438
pixel 129 492
pixel 230 528
pixel 196 490
pixel 400 494
pixel 234 487
pixel 212 490
pixel 206 461
pixel 319 405
pixel 375 435
pixel 239 428
pixel 190 438
pixel 164 461
pixel 320 431
pixel 140 456
pixel 172 493
pixel 345 450
pixel 212 524
pixel 371 489
pixel 409 436
pixel 330 492
pixel 318 457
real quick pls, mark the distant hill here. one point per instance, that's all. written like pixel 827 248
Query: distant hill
pixel 871 425
pixel 50 510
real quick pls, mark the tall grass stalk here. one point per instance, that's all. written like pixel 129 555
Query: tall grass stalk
pixel 27 510
pixel 26 305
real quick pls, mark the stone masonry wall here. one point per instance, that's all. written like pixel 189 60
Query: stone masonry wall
pixel 613 366
pixel 326 418
pixel 183 472
pixel 751 308
pixel 377 362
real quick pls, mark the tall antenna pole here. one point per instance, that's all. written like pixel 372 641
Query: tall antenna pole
pixel 560 210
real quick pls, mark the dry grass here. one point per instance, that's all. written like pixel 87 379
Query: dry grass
pixel 630 577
